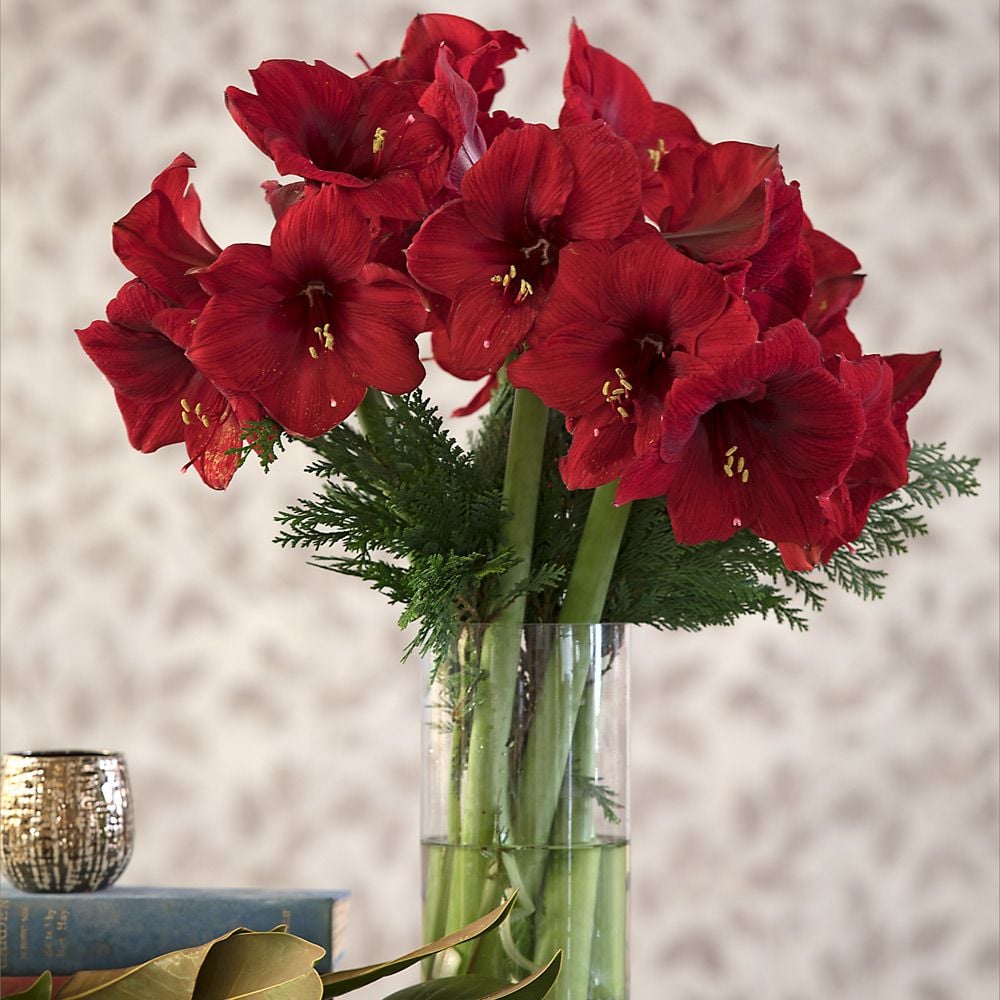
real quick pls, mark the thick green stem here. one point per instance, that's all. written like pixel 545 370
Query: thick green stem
pixel 371 413
pixel 562 740
pixel 558 704
pixel 484 800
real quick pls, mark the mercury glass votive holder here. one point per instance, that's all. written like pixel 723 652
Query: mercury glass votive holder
pixel 65 819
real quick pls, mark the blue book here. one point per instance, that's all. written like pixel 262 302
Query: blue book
pixel 127 925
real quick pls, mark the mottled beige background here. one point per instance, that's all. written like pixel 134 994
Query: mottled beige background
pixel 814 816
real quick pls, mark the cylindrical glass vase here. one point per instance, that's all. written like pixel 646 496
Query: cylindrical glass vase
pixel 525 786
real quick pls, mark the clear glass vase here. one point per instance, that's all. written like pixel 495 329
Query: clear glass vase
pixel 525 786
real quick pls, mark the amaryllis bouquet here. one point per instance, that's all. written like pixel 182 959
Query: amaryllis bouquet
pixel 677 422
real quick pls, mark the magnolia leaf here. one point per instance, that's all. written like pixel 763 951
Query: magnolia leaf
pixel 270 964
pixel 535 987
pixel 40 989
pixel 337 983
pixel 449 988
pixel 176 975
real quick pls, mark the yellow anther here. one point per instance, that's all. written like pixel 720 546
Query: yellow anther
pixel 197 409
pixel 728 471
pixel 378 143
pixel 731 451
pixel 607 386
pixel 506 279
pixel 622 411
pixel 740 464
pixel 619 391
pixel 524 291
pixel 746 475
pixel 185 417
pixel 656 155
pixel 204 420
pixel 626 385
pixel 619 373
pixel 185 405
pixel 313 352
pixel 324 334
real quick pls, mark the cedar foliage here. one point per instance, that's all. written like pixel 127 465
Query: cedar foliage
pixel 407 509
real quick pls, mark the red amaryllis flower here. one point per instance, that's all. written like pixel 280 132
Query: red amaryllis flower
pixel 478 53
pixel 598 86
pixel 163 398
pixel 306 325
pixel 494 252
pixel 364 135
pixel 162 240
pixel 752 445
pixel 603 353
pixel 887 389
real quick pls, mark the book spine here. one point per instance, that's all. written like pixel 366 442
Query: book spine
pixel 70 933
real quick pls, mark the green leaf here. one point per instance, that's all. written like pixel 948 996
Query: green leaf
pixel 270 964
pixel 239 964
pixel 40 989
pixel 535 987
pixel 449 988
pixel 337 983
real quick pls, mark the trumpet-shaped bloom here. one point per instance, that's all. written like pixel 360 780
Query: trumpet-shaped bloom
pixel 493 253
pixel 887 389
pixel 598 86
pixel 604 352
pixel 752 445
pixel 364 135
pixel 306 324
pixel 478 53
pixel 163 398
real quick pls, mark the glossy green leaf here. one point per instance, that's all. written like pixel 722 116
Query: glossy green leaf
pixel 337 983
pixel 270 964
pixel 241 964
pixel 40 989
pixel 449 988
pixel 535 987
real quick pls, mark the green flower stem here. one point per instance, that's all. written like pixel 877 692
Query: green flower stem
pixel 563 730
pixel 484 802
pixel 551 733
pixel 371 413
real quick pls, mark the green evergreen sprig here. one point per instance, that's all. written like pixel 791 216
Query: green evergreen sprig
pixel 419 517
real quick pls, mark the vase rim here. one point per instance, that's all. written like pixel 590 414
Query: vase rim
pixel 55 754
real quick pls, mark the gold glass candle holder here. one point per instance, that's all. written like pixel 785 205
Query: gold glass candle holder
pixel 65 819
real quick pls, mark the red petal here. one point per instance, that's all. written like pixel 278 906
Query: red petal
pixel 572 298
pixel 520 185
pixel 648 281
pixel 912 375
pixel 568 369
pixel 448 252
pixel 322 238
pixel 605 194
pixel 379 318
pixel 597 85
pixel 484 326
pixel 728 215
pixel 602 446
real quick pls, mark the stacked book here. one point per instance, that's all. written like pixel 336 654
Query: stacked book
pixel 123 926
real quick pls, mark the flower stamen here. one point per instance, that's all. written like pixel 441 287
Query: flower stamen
pixel 742 470
pixel 378 142
pixel 657 154
pixel 619 395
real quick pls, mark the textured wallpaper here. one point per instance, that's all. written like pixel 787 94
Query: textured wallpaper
pixel 814 815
